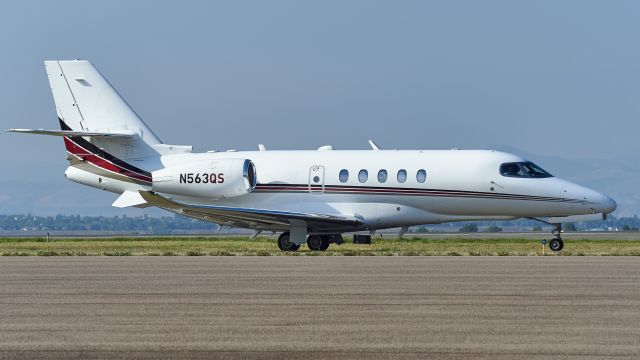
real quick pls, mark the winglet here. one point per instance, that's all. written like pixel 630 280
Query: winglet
pixel 374 146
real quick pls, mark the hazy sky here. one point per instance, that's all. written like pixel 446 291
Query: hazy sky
pixel 552 78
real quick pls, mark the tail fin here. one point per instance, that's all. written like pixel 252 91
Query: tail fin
pixel 85 101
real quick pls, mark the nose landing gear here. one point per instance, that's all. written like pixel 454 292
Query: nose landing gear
pixel 556 244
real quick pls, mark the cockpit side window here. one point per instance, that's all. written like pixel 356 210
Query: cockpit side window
pixel 534 170
pixel 525 169
pixel 512 170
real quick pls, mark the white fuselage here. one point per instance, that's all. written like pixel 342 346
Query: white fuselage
pixel 110 147
pixel 459 185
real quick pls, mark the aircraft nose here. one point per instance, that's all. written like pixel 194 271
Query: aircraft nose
pixel 607 204
pixel 595 200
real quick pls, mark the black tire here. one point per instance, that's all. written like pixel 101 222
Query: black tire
pixel 326 240
pixel 315 242
pixel 556 244
pixel 284 244
pixel 335 239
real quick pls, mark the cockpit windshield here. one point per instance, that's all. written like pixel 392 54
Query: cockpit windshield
pixel 525 169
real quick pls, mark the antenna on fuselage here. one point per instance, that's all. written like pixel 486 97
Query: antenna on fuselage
pixel 374 146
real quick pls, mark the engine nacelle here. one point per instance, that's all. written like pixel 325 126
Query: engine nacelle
pixel 212 179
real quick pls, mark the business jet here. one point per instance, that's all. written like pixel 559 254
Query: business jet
pixel 311 196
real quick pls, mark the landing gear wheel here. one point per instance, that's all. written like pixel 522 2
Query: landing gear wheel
pixel 284 244
pixel 317 243
pixel 325 243
pixel 556 244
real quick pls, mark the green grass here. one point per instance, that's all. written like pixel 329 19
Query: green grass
pixel 266 246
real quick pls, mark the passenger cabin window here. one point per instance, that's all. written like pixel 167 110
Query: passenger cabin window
pixel 421 176
pixel 382 176
pixel 363 175
pixel 525 169
pixel 402 175
pixel 343 176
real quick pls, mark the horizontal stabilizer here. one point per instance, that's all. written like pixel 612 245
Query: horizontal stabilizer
pixel 123 133
pixel 130 198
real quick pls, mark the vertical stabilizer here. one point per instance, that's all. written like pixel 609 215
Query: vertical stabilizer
pixel 85 101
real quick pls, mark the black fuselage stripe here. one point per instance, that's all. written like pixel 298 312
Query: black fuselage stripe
pixel 382 188
pixel 101 153
pixel 342 189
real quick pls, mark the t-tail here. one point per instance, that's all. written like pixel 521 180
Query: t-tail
pixel 85 101
pixel 102 133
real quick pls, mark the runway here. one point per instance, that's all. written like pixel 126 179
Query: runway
pixel 319 307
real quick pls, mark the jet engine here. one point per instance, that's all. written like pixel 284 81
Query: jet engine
pixel 211 179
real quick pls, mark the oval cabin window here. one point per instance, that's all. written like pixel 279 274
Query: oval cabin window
pixel 402 175
pixel 382 176
pixel 421 176
pixel 343 176
pixel 363 175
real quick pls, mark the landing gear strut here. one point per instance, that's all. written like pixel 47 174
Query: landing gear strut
pixel 284 244
pixel 556 244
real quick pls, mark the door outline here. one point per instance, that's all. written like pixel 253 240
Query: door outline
pixel 316 187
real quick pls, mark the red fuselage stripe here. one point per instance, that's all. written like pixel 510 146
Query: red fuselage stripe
pixel 94 159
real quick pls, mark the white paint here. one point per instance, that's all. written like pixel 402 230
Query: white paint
pixel 301 190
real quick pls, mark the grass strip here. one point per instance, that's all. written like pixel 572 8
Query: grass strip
pixel 266 246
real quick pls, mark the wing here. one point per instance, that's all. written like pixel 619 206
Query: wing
pixel 255 218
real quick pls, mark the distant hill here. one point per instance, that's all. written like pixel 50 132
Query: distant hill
pixel 70 224
pixel 31 225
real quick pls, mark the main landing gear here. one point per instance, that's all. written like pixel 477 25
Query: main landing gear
pixel 314 242
pixel 318 242
pixel 556 244
pixel 284 244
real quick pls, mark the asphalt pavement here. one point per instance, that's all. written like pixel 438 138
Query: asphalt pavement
pixel 319 307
